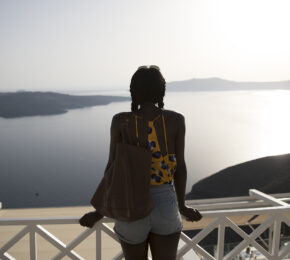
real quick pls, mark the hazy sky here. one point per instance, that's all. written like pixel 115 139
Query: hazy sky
pixel 82 44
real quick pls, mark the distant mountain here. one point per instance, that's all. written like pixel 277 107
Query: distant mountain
pixel 268 174
pixel 26 103
pixel 217 84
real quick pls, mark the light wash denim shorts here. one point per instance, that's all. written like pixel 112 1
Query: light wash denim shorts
pixel 164 219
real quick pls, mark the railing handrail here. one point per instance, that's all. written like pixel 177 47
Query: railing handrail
pixel 205 214
pixel 235 199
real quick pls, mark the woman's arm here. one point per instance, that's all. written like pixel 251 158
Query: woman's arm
pixel 180 175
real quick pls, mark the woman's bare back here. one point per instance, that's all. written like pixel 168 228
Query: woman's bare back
pixel 175 130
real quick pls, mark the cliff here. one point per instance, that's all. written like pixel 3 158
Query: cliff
pixel 268 174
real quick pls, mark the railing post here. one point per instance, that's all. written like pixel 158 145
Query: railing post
pixel 32 244
pixel 98 241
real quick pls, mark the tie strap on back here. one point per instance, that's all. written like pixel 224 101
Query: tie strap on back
pixel 164 128
pixel 137 130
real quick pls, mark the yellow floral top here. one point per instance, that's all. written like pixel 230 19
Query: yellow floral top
pixel 163 167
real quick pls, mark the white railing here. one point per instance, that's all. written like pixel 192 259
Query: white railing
pixel 220 219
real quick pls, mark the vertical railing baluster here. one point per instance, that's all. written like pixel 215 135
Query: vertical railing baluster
pixel 221 240
pixel 276 236
pixel 32 244
pixel 98 241
pixel 270 242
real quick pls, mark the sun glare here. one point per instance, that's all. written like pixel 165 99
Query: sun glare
pixel 250 34
pixel 276 123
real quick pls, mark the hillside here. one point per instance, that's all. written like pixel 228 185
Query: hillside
pixel 27 103
pixel 268 174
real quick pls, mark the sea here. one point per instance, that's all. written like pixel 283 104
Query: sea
pixel 59 160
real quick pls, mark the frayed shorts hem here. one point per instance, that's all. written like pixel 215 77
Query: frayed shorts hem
pixel 135 242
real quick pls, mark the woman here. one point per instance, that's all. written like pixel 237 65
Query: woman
pixel 163 132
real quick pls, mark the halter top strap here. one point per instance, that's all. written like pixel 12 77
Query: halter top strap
pixel 164 127
pixel 136 116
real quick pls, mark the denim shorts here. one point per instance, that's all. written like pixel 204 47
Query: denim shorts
pixel 164 219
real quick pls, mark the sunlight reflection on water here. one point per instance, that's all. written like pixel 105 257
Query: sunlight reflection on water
pixel 274 118
pixel 227 128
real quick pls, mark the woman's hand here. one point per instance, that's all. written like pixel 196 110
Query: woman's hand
pixel 89 219
pixel 190 213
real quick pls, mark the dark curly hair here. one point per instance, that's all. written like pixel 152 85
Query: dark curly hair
pixel 147 85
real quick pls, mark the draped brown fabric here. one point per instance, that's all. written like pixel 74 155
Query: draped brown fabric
pixel 124 193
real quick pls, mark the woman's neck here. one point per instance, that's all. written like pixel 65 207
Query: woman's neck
pixel 147 106
pixel 148 110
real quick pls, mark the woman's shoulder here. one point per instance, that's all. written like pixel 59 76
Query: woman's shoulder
pixel 174 115
pixel 121 117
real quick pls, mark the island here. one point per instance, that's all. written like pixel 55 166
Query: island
pixel 218 84
pixel 28 103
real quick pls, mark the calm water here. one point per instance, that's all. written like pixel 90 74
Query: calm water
pixel 59 160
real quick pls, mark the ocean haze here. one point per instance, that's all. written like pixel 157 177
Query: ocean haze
pixel 27 103
pixel 192 84
pixel 54 44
